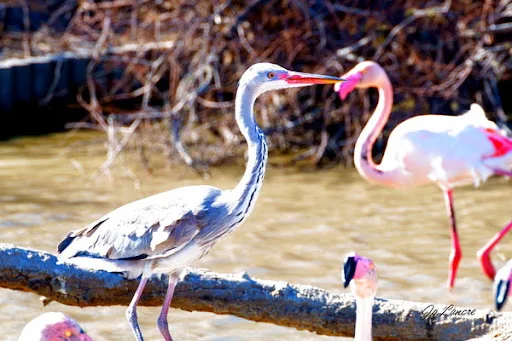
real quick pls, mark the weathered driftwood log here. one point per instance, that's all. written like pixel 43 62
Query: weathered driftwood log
pixel 292 305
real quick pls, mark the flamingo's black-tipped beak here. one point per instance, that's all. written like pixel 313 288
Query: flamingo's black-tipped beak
pixel 348 86
pixel 310 78
pixel 502 289
pixel 349 269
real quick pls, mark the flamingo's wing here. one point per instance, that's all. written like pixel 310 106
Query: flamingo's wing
pixel 446 149
pixel 502 144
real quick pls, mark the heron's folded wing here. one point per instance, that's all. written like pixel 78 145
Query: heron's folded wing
pixel 134 234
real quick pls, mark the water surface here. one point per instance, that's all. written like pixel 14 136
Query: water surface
pixel 301 228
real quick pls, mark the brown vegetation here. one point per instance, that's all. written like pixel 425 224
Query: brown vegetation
pixel 168 69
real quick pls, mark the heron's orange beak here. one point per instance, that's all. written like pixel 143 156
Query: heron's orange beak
pixel 309 78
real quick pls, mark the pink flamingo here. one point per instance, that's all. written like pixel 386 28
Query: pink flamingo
pixel 447 150
pixel 361 274
pixel 502 283
pixel 53 327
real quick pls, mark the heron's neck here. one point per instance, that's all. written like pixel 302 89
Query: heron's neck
pixel 363 150
pixel 364 307
pixel 247 190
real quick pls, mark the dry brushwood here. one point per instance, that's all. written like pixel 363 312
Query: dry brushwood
pixel 181 80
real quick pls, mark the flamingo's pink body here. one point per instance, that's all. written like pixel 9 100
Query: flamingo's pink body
pixel 447 150
pixel 53 327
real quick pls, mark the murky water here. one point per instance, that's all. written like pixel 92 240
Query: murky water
pixel 302 226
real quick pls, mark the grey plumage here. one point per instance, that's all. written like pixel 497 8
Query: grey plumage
pixel 155 227
pixel 148 228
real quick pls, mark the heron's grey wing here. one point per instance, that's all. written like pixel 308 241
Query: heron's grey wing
pixel 163 223
pixel 110 239
pixel 147 228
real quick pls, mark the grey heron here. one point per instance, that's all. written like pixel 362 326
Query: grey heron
pixel 166 232
pixel 360 273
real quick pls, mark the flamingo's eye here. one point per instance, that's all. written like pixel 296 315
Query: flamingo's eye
pixel 271 75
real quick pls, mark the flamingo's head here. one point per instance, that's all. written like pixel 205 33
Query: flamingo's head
pixel 360 273
pixel 53 326
pixel 364 75
pixel 502 285
pixel 264 77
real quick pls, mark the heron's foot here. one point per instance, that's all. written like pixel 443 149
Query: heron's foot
pixel 164 328
pixel 131 316
pixel 484 258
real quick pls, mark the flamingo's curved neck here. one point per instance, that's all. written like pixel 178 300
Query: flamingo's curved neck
pixel 364 307
pixel 363 150
pixel 247 190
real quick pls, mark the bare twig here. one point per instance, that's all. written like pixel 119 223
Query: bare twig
pixel 419 13
pixel 115 148
pixel 26 25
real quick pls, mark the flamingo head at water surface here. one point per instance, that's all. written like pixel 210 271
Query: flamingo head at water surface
pixel 53 326
pixel 360 273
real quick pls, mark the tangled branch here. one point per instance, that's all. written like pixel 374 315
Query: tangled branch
pixel 175 65
pixel 292 305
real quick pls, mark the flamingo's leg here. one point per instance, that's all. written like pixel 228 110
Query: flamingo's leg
pixel 162 319
pixel 131 312
pixel 484 254
pixel 456 253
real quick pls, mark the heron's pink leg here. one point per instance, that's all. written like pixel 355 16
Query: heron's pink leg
pixel 484 253
pixel 131 312
pixel 162 319
pixel 456 253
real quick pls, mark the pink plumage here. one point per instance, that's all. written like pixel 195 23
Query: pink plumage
pixel 360 273
pixel 53 326
pixel 447 150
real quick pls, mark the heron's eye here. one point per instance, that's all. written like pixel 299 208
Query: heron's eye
pixel 271 75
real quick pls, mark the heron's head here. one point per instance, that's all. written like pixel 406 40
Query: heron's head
pixel 360 273
pixel 364 75
pixel 502 285
pixel 53 326
pixel 264 77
